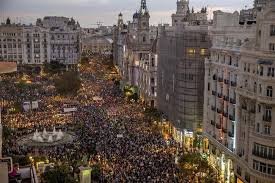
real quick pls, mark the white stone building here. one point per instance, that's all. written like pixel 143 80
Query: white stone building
pixel 36 45
pixel 11 42
pixel 97 45
pixel 238 106
pixel 65 39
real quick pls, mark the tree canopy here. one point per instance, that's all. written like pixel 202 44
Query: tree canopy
pixel 195 167
pixel 68 83
pixel 58 174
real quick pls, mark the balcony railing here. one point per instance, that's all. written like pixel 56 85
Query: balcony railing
pixel 233 83
pixel 244 107
pixel 267 118
pixel 231 117
pixel 213 108
pixel 215 77
pixel 263 155
pixel 214 93
pixel 230 134
pixel 220 79
pixel 219 111
pixel 218 126
pixel 226 81
pixel 226 98
pixel 232 101
pixel 219 95
pixel 212 122
pixel 225 114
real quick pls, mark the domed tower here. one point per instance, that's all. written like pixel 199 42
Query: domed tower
pixel 143 24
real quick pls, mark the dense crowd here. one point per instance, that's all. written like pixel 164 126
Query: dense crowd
pixel 109 130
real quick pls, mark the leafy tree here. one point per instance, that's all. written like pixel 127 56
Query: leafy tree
pixel 95 174
pixel 68 83
pixel 194 166
pixel 59 174
pixel 53 67
pixel 152 113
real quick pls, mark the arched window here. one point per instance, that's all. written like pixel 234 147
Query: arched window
pixel 269 91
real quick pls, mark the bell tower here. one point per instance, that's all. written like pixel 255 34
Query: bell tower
pixel 182 7
pixel 183 11
pixel 143 24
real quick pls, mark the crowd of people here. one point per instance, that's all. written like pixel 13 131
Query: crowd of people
pixel 109 131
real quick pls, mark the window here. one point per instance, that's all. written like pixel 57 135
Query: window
pixel 272 30
pixel 267 129
pixel 258 128
pixel 203 51
pixel 269 91
pixel 144 39
pixel 191 51
pixel 260 70
pixel 271 47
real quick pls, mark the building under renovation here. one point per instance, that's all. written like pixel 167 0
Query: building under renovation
pixel 182 50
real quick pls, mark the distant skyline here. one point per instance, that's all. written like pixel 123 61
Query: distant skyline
pixel 89 12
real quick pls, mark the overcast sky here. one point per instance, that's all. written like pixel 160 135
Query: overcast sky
pixel 89 12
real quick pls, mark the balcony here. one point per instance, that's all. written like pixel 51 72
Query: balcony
pixel 267 118
pixel 212 122
pixel 263 155
pixel 226 81
pixel 233 83
pixel 230 134
pixel 224 130
pixel 220 79
pixel 232 101
pixel 253 111
pixel 214 93
pixel 225 98
pixel 267 100
pixel 213 108
pixel 218 126
pixel 219 111
pixel 214 77
pixel 219 95
pixel 231 117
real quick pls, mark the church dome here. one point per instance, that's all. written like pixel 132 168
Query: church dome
pixel 136 15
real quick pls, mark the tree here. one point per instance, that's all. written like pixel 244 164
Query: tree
pixel 58 174
pixel 53 67
pixel 68 83
pixel 95 174
pixel 195 166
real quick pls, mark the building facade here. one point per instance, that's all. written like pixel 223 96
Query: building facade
pixel 97 45
pixel 51 39
pixel 11 42
pixel 134 54
pixel 36 45
pixel 182 49
pixel 238 104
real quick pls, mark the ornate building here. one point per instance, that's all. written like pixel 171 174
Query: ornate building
pixel 134 56
pixel 238 105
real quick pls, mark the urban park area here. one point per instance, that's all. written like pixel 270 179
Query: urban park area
pixel 72 126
